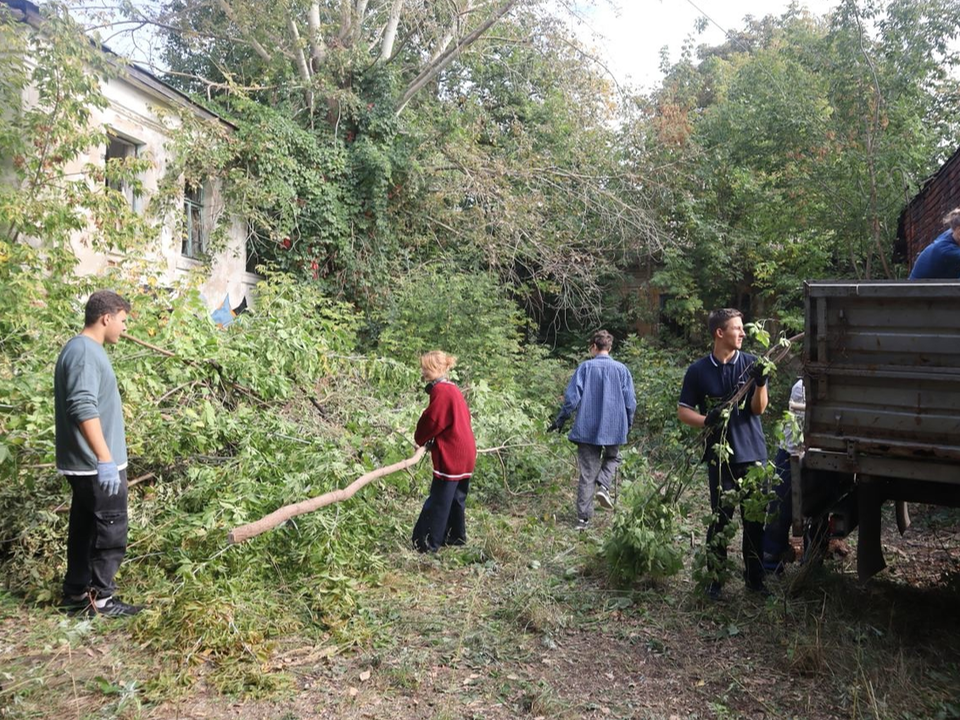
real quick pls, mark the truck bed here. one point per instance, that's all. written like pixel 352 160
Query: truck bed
pixel 882 370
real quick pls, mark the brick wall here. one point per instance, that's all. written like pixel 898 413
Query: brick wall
pixel 922 220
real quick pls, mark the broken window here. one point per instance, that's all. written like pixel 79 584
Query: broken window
pixel 194 236
pixel 119 149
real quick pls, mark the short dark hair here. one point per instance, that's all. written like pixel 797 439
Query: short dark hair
pixel 103 302
pixel 718 319
pixel 602 339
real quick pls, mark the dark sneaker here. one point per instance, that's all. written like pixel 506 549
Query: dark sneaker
pixel 603 497
pixel 582 525
pixel 73 605
pixel 114 607
pixel 714 590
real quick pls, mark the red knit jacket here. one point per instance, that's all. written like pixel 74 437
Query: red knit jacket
pixel 446 421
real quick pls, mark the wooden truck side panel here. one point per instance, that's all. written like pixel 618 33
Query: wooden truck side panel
pixel 881 365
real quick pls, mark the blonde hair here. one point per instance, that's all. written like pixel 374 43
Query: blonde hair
pixel 952 219
pixel 436 364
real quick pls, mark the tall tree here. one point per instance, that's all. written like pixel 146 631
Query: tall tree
pixel 309 51
pixel 389 133
pixel 791 149
pixel 526 171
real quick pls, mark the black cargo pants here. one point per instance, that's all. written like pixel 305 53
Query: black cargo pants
pixel 725 479
pixel 97 537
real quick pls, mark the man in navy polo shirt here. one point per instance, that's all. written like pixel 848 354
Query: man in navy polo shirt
pixel 708 384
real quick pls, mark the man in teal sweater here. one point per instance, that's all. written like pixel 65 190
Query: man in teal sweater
pixel 92 454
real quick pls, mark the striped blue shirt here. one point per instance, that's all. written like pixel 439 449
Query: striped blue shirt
pixel 601 393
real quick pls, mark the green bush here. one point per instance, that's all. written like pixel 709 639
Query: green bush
pixel 278 407
pixel 657 378
pixel 469 316
pixel 642 540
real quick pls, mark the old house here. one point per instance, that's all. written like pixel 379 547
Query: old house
pixel 137 102
pixel 922 220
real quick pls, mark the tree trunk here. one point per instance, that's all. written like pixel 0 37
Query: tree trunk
pixel 317 48
pixel 390 34
pixel 301 59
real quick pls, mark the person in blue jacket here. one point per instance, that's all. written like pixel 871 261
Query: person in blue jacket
pixel 941 258
pixel 601 393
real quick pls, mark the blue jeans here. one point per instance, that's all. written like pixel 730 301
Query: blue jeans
pixel 776 535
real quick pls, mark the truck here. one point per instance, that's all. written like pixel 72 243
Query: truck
pixel 881 372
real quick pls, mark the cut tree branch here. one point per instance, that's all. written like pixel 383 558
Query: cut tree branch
pixel 268 522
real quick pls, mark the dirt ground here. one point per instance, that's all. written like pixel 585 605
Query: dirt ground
pixel 508 628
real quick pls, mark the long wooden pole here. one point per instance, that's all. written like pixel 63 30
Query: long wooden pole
pixel 281 515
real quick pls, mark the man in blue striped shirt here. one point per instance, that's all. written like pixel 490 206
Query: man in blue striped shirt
pixel 601 393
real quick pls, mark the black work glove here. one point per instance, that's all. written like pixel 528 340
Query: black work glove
pixel 760 371
pixel 713 417
pixel 555 426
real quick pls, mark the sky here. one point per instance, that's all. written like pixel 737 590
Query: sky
pixel 630 33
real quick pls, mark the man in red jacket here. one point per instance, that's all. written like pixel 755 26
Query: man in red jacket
pixel 445 425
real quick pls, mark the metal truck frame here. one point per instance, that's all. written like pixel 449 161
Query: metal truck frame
pixel 881 370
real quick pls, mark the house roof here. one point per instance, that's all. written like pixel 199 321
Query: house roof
pixel 130 71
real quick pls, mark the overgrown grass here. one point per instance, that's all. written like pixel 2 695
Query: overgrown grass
pixel 534 629
pixel 528 618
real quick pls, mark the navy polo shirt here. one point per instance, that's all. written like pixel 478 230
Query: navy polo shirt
pixel 707 383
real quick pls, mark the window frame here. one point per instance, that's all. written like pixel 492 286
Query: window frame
pixel 193 240
pixel 134 149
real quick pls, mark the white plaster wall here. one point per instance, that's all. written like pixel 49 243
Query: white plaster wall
pixel 131 113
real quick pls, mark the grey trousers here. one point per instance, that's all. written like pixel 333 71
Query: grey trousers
pixel 598 464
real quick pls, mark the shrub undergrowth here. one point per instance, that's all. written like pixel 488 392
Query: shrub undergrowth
pixel 281 405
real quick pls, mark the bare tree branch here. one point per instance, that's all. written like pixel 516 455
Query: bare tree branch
pixel 434 68
pixel 448 36
pixel 257 47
